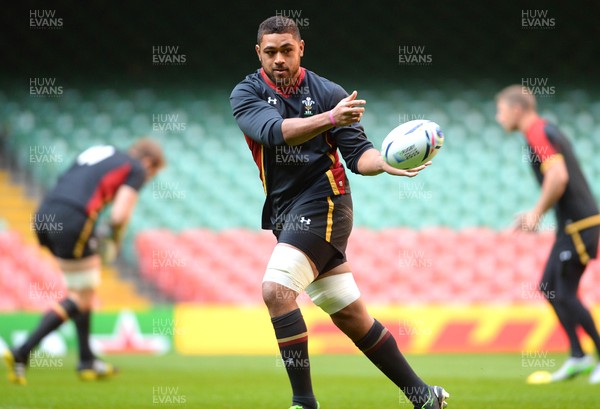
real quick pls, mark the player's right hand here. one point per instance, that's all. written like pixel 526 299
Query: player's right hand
pixel 403 172
pixel 349 110
pixel 527 222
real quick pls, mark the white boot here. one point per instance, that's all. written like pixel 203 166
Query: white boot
pixel 573 367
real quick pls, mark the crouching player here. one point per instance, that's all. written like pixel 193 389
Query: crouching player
pixel 99 176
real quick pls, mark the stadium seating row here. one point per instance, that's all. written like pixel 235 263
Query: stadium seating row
pixel 392 266
pixel 29 278
pixel 211 172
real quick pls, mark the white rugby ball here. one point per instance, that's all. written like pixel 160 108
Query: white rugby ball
pixel 412 144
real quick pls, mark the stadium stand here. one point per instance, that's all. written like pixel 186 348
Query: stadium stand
pixel 393 266
pixel 467 198
pixel 210 165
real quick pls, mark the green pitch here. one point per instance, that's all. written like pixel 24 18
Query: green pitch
pixel 341 382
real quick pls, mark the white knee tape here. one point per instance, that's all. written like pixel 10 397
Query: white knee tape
pixel 289 267
pixel 334 293
pixel 82 280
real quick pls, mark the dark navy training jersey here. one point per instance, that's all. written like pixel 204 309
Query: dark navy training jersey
pixel 92 181
pixel 547 145
pixel 295 174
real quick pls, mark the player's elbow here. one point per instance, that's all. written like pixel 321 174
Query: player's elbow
pixel 289 141
pixel 560 177
pixel 562 182
pixel 271 134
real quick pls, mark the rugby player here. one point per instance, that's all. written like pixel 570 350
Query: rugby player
pixel 99 176
pixel 564 188
pixel 294 122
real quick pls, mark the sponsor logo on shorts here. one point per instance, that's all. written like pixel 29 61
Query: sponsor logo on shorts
pixel 293 223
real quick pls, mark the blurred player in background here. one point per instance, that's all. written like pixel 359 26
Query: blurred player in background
pixel 295 122
pixel 565 189
pixel 99 176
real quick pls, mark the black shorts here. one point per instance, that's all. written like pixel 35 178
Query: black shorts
pixel 564 268
pixel 320 229
pixel 66 231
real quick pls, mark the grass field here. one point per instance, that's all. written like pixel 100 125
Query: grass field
pixel 341 382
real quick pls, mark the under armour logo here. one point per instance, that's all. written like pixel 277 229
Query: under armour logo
pixel 304 220
pixel 271 100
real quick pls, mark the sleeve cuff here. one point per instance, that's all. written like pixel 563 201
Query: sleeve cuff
pixel 354 165
pixel 550 161
pixel 277 134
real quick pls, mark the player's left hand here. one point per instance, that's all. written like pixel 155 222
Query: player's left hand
pixel 404 172
pixel 108 250
pixel 527 222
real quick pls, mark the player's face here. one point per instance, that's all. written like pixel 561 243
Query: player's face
pixel 507 115
pixel 280 56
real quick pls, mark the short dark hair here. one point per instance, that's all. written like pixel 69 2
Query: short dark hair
pixel 278 25
pixel 518 95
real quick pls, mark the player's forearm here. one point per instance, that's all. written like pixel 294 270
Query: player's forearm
pixel 370 163
pixel 553 187
pixel 296 131
pixel 122 209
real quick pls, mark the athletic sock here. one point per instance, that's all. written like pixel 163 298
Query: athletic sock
pixel 569 324
pixel 82 323
pixel 292 337
pixel 380 347
pixel 58 314
pixel 584 318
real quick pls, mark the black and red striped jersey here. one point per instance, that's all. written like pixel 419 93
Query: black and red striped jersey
pixel 92 181
pixel 546 144
pixel 295 174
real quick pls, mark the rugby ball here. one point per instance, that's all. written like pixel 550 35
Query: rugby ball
pixel 412 144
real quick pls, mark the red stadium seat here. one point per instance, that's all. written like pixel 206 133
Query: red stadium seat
pixel 401 266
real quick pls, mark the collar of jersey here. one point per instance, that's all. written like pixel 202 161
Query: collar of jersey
pixel 277 89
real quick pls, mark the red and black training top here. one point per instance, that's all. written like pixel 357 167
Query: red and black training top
pixel 547 145
pixel 294 175
pixel 92 181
